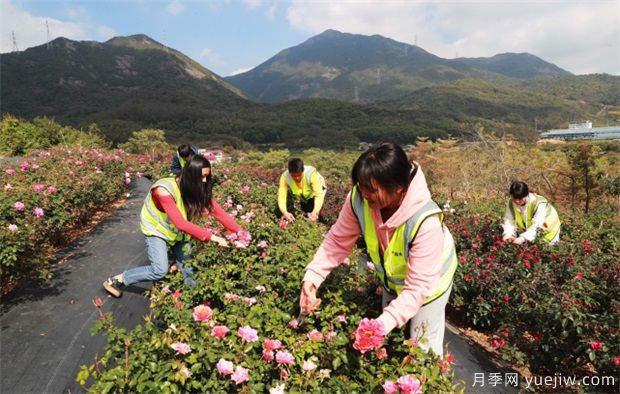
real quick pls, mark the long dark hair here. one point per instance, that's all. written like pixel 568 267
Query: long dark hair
pixel 384 162
pixel 195 193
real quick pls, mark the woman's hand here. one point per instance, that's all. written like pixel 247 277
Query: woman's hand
pixel 313 216
pixel 220 241
pixel 288 216
pixel 307 299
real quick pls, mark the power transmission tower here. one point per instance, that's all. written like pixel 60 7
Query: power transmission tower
pixel 15 49
pixel 47 28
pixel 357 97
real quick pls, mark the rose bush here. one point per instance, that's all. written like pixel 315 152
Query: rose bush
pixel 251 340
pixel 552 308
pixel 50 192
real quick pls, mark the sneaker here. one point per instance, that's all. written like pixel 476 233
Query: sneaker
pixel 113 286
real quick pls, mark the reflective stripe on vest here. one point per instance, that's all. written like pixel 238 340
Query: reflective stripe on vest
pixel 181 160
pixel 552 220
pixel 153 222
pixel 305 192
pixel 391 266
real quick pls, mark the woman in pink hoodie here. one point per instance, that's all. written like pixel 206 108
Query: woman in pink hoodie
pixel 410 249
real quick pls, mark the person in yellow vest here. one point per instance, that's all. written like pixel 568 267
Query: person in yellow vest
pixel 166 219
pixel 183 155
pixel 531 215
pixel 303 183
pixel 410 249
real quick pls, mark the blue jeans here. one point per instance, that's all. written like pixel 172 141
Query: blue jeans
pixel 157 251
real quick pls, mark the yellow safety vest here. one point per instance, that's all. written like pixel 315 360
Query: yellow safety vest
pixel 552 220
pixel 391 267
pixel 304 192
pixel 153 222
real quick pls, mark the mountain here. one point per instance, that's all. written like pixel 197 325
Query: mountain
pixel 130 83
pixel 363 68
pixel 121 79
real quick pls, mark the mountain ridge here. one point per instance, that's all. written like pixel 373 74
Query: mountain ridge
pixel 357 67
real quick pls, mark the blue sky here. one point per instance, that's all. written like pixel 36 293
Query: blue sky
pixel 229 36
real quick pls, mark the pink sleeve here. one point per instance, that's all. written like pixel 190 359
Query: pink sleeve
pixel 424 269
pixel 336 246
pixel 224 218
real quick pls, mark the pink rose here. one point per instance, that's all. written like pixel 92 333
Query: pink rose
pixel 330 335
pixel 219 331
pixel 240 375
pixel 38 187
pixel 342 319
pixel 381 353
pixel 284 357
pixel 294 324
pixel 369 335
pixel 224 367
pixel 245 189
pixel 25 165
pixel 248 334
pixel 13 228
pixel 202 313
pixel 262 244
pixel 10 171
pixel 409 385
pixel 181 347
pixel 38 212
pixel 51 189
pixel 390 387
pixel 268 355
pixel 19 206
pixel 596 345
pixel 315 335
pixel 272 344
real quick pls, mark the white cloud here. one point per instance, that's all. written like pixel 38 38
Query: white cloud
pixel 240 70
pixel 176 7
pixel 252 4
pixel 76 12
pixel 210 59
pixel 271 12
pixel 104 33
pixel 31 30
pixel 577 36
